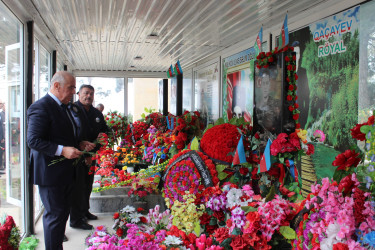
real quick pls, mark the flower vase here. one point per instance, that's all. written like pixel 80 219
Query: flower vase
pixel 141 204
pixel 130 169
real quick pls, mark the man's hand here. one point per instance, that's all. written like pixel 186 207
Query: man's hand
pixel 88 161
pixel 99 135
pixel 70 152
pixel 86 145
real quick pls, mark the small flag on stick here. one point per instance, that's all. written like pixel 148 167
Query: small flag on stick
pixel 170 72
pixel 258 42
pixel 265 161
pixel 239 156
pixel 284 35
pixel 178 68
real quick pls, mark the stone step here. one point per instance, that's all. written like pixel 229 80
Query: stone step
pixel 113 191
pixel 111 203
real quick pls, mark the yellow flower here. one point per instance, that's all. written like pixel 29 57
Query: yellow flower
pixel 302 134
pixel 124 167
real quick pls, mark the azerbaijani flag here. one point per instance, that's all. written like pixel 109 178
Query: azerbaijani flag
pixel 170 72
pixel 265 161
pixel 239 156
pixel 178 68
pixel 258 42
pixel 284 35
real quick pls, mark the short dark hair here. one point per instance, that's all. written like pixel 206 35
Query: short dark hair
pixel 86 86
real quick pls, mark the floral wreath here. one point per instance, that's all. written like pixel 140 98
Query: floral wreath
pixel 184 177
pixel 265 59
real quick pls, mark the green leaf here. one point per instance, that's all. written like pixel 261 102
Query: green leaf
pixel 226 243
pixel 232 121
pixel 271 194
pixel 194 144
pixel 175 221
pixel 365 129
pixel 248 209
pixel 197 228
pixel 236 231
pixel 288 233
pixel 222 175
pixel 213 221
pixel 220 168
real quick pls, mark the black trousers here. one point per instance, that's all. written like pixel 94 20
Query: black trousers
pixel 2 155
pixel 56 201
pixel 78 206
pixel 89 182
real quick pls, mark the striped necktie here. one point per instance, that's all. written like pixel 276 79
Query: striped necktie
pixel 65 108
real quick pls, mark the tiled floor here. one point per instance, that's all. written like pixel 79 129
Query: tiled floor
pixel 76 236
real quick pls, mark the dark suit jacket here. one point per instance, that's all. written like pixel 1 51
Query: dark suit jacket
pixel 48 127
pixel 94 123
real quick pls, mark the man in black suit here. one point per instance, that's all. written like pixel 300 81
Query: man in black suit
pixel 51 135
pixel 94 124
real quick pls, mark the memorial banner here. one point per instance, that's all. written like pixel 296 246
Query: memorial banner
pixel 238 86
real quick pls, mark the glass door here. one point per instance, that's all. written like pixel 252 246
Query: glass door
pixel 13 135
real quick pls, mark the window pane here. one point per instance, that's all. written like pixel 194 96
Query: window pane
pixel 108 91
pixel 44 73
pixel 11 115
pixel 142 93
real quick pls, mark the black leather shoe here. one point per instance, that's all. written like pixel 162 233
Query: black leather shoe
pixel 82 225
pixel 65 238
pixel 90 216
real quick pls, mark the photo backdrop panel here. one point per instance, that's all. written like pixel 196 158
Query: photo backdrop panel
pixel 366 101
pixel 238 86
pixel 328 75
pixel 207 92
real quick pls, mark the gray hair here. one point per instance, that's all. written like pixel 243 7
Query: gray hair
pixel 59 77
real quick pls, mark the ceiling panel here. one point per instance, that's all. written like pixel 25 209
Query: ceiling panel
pixel 107 35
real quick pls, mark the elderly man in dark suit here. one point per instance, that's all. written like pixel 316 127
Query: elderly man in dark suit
pixel 51 135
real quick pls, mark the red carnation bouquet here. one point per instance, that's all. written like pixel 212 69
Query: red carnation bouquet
pixel 135 132
pixel 9 234
pixel 220 141
pixel 117 123
pixel 186 128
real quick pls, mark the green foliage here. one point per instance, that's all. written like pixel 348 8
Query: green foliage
pixel 219 121
pixel 14 238
pixel 29 243
pixel 148 111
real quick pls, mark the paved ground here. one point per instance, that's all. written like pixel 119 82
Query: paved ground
pixel 76 236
